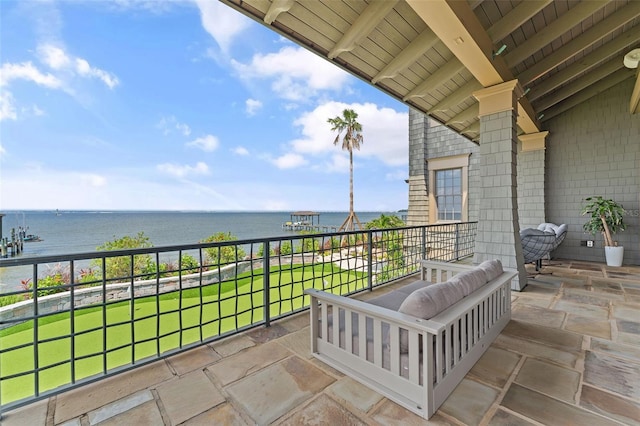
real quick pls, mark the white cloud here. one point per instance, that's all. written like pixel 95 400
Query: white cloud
pixel 37 111
pixel 183 128
pixel 153 6
pixel 53 56
pixel 183 170
pixel 7 110
pixel 400 174
pixel 297 74
pixel 385 132
pixel 289 161
pixel 339 164
pixel 27 71
pixel 84 69
pixel 240 150
pixel 33 110
pixel 2 151
pixel 206 143
pixel 93 180
pixel 122 189
pixel 252 106
pixel 221 22
pixel 168 124
pixel 57 59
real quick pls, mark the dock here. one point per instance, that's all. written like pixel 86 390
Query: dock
pixel 13 246
pixel 307 221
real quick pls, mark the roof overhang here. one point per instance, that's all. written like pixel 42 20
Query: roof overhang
pixel 433 55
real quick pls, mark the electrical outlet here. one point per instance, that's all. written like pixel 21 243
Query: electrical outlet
pixel 589 243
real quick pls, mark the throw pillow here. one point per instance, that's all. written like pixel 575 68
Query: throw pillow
pixel 427 302
pixel 491 268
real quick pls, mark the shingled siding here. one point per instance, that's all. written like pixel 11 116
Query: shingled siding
pixel 429 139
pixel 594 149
pixel 531 188
pixel 443 142
pixel 418 212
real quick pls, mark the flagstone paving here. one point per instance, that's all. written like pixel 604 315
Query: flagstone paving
pixel 570 355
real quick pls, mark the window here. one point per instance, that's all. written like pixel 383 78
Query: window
pixel 449 194
pixel 448 188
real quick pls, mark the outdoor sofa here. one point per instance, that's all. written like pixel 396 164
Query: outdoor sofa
pixel 418 357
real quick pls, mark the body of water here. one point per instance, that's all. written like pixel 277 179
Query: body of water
pixel 68 232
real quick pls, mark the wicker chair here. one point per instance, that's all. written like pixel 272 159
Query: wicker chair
pixel 537 244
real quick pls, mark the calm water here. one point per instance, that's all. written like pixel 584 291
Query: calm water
pixel 77 232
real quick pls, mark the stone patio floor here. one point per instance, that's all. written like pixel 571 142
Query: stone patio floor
pixel 569 356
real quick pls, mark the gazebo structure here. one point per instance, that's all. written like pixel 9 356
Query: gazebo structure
pixel 305 218
pixel 547 89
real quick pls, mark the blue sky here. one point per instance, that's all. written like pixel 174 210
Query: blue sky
pixel 181 105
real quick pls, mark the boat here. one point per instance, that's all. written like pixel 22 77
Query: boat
pixel 31 238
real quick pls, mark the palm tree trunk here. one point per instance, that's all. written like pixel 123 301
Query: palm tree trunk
pixel 350 182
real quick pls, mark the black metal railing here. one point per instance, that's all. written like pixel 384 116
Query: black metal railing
pixel 78 318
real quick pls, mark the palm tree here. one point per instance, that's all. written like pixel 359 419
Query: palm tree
pixel 351 140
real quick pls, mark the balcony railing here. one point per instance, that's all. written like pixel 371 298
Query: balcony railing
pixel 81 317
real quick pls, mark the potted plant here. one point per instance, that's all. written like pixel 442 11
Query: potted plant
pixel 607 218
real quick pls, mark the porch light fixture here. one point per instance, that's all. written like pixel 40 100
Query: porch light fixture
pixel 499 51
pixel 540 116
pixel 632 59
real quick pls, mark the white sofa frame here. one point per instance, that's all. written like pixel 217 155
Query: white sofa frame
pixel 452 341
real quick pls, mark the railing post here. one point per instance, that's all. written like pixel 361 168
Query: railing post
pixel 457 242
pixel 266 286
pixel 423 244
pixel 370 263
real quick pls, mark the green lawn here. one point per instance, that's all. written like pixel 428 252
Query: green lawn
pixel 179 316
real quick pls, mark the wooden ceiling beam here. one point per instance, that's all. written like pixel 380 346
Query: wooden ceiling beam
pixel 550 32
pixel 634 104
pixel 576 86
pixel 459 29
pixel 603 53
pixel 276 8
pixel 409 55
pixel 497 31
pixel 466 115
pixel 443 74
pixel 457 97
pixel 362 26
pixel 473 128
pixel 586 39
pixel 613 79
pixel 515 18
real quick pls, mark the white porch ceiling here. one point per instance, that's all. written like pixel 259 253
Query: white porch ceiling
pixel 433 54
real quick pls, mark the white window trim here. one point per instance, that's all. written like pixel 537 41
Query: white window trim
pixel 443 163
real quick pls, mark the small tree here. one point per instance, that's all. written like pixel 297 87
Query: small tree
pixel 223 254
pixel 120 266
pixel 607 217
pixel 385 222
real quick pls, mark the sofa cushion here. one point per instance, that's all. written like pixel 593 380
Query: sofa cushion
pixel 431 300
pixel 491 268
pixel 470 281
pixel 410 288
pixel 391 300
pixel 427 302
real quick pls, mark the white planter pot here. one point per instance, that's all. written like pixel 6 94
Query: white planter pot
pixel 614 255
